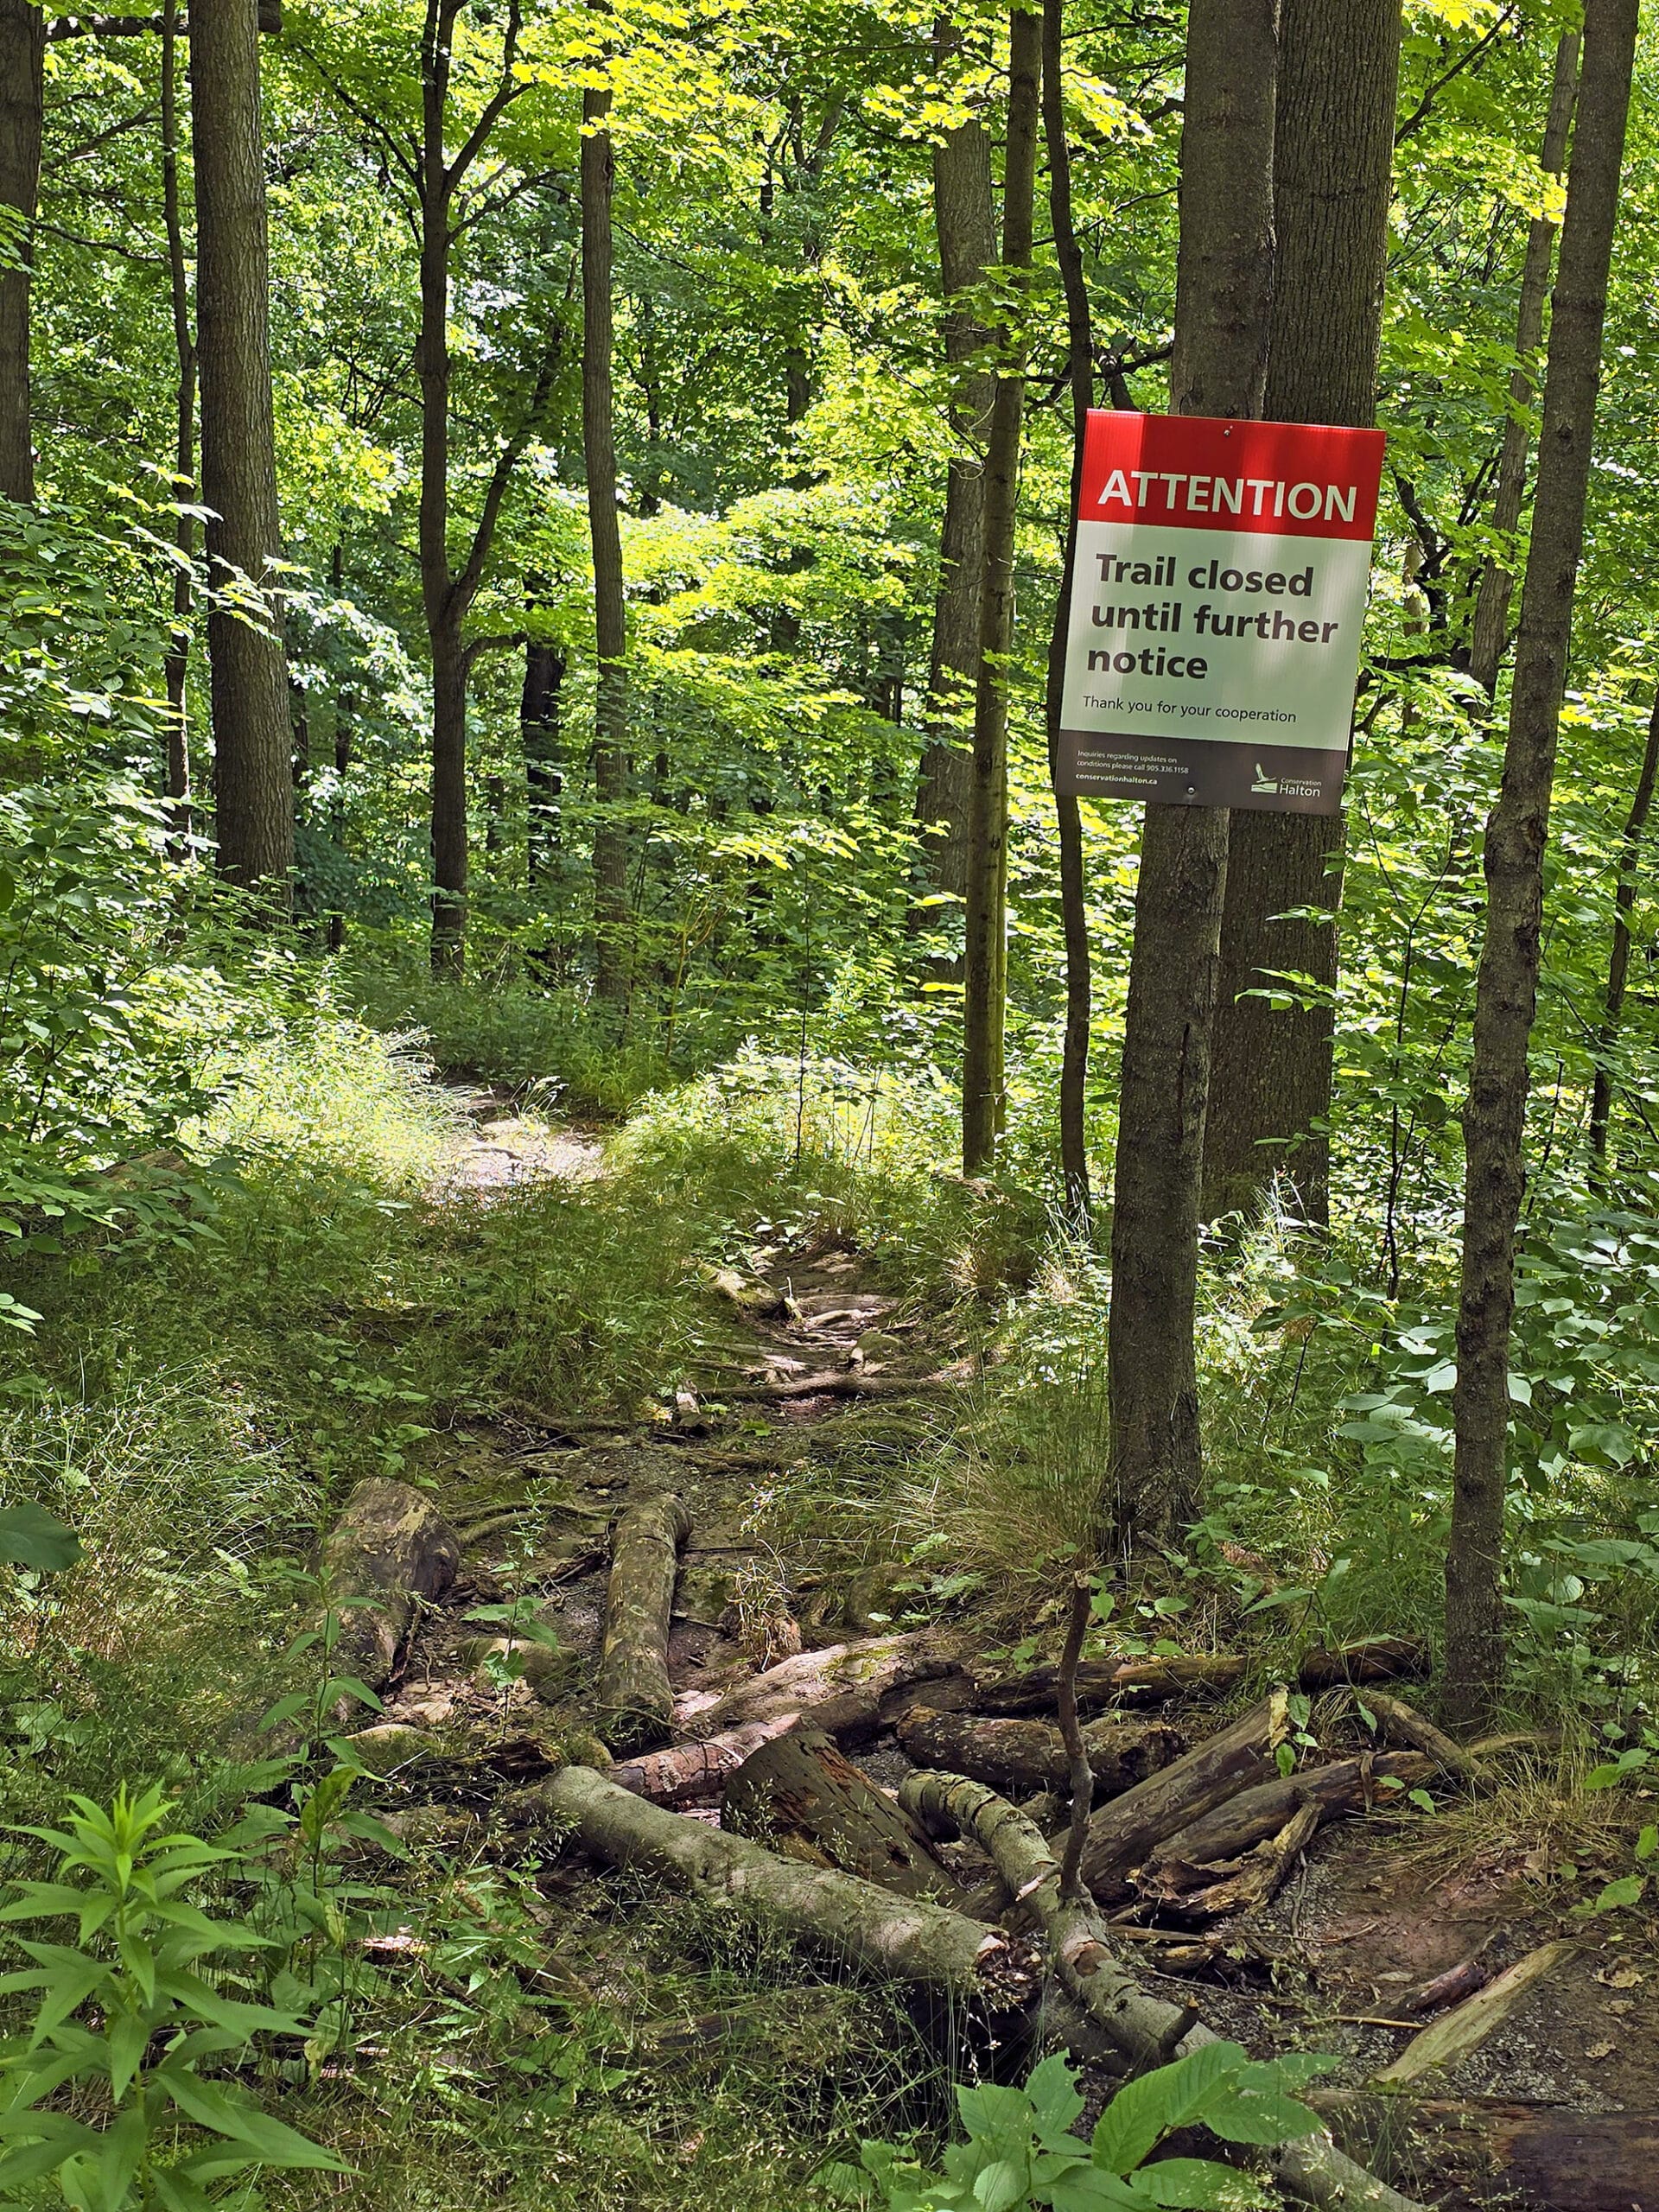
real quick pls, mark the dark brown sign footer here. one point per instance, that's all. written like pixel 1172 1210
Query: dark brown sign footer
pixel 1198 771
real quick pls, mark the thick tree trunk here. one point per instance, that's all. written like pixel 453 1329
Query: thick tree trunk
pixel 965 221
pixel 1491 629
pixel 1223 290
pixel 1506 988
pixel 253 785
pixel 22 48
pixel 178 650
pixel 1127 1830
pixel 1334 158
pixel 1189 1860
pixel 1080 369
pixel 880 1668
pixel 985 966
pixel 612 765
pixel 1484 2151
pixel 390 1545
pixel 1618 962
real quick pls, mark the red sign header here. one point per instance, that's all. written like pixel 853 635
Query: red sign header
pixel 1199 472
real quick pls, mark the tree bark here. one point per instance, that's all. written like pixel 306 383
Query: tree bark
pixel 22 48
pixel 965 222
pixel 612 764
pixel 1486 2150
pixel 1506 986
pixel 184 462
pixel 1188 1859
pixel 635 1698
pixel 253 786
pixel 390 1543
pixel 1333 164
pixel 880 1668
pixel 1080 370
pixel 1106 1681
pixel 1490 632
pixel 985 951
pixel 1618 962
pixel 1223 290
pixel 801 1796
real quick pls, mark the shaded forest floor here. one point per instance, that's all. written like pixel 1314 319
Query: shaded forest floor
pixel 540 1324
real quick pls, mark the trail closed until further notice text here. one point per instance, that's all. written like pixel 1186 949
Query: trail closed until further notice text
pixel 1213 642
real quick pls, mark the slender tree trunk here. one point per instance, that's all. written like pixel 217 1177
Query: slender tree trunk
pixel 252 786
pixel 612 765
pixel 1506 988
pixel 22 48
pixel 184 462
pixel 345 720
pixel 985 966
pixel 1333 163
pixel 1222 296
pixel 449 844
pixel 1618 962
pixel 1074 918
pixel 1497 584
pixel 964 219
pixel 541 735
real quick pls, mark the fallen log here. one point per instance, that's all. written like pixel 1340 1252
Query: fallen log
pixel 1105 1681
pixel 837 1382
pixel 391 1544
pixel 1466 2026
pixel 879 1667
pixel 1021 1756
pixel 1183 1859
pixel 1148 2030
pixel 690 1771
pixel 635 1700
pixel 907 1939
pixel 760 1302
pixel 1126 1833
pixel 1451 1987
pixel 1489 2150
pixel 1401 1723
pixel 1242 1883
pixel 801 1796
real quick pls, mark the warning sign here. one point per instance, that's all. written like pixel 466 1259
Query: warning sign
pixel 1216 603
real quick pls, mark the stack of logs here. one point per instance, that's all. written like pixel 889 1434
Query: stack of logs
pixel 1181 1833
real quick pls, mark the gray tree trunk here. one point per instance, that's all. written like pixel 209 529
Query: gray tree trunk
pixel 1223 294
pixel 184 462
pixel 1333 165
pixel 985 966
pixel 1506 989
pixel 1080 369
pixel 22 48
pixel 965 220
pixel 1491 623
pixel 612 764
pixel 253 785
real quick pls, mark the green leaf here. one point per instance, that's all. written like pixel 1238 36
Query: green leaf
pixel 1197 2185
pixel 1000 2184
pixel 32 1537
pixel 1238 2116
pixel 275 2142
pixel 1144 2111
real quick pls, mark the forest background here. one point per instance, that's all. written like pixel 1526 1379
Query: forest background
pixel 637 784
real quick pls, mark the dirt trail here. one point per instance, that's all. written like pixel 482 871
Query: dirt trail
pixel 1369 1916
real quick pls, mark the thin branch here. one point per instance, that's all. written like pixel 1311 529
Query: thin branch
pixel 505 92
pixel 1420 113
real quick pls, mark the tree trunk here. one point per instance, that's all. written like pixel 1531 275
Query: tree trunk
pixel 611 767
pixel 1224 290
pixel 1506 987
pixel 985 966
pixel 184 464
pixel 450 840
pixel 1074 916
pixel 1127 1830
pixel 1485 2151
pixel 1021 1758
pixel 23 49
pixel 880 1667
pixel 541 735
pixel 1492 622
pixel 1333 162
pixel 253 786
pixel 1619 962
pixel 965 220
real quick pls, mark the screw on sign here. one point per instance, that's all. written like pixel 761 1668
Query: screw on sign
pixel 1216 603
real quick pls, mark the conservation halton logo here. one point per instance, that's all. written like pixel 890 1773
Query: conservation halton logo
pixel 1217 597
